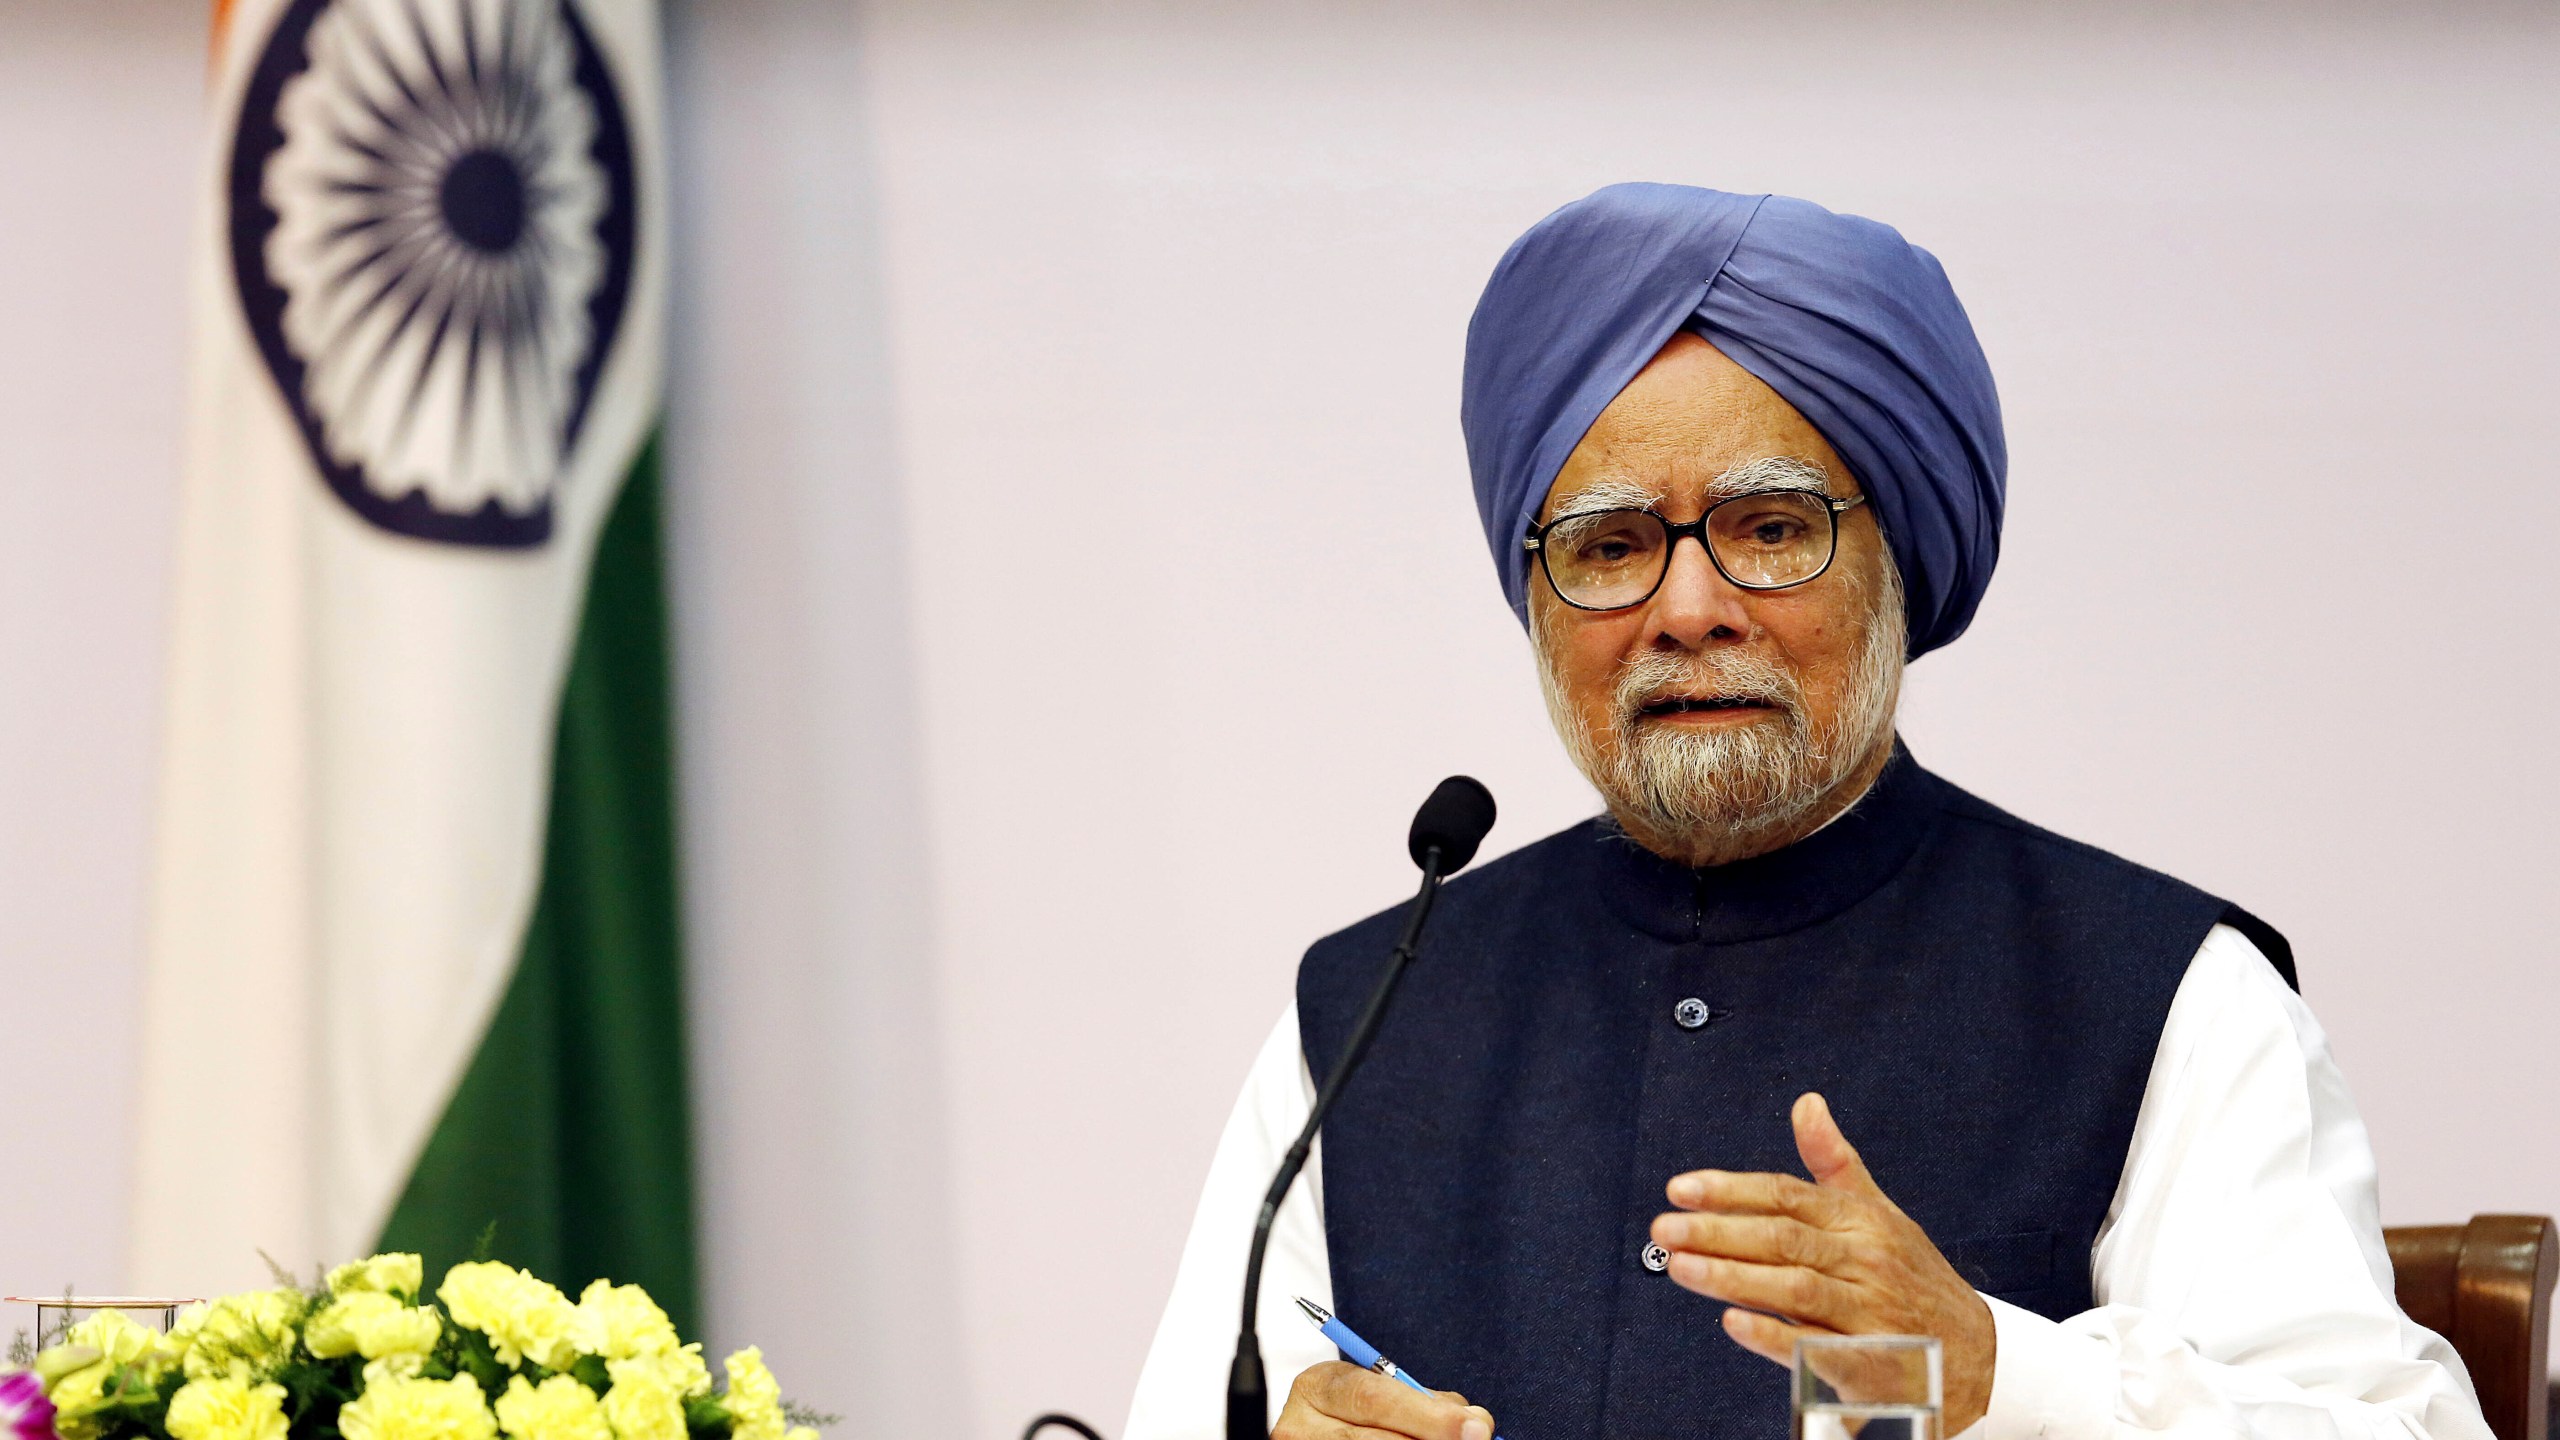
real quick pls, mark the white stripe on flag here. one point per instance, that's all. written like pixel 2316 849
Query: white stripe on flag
pixel 362 698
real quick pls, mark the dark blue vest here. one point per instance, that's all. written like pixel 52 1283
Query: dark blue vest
pixel 1978 998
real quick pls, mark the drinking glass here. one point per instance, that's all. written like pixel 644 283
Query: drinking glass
pixel 1866 1387
pixel 56 1314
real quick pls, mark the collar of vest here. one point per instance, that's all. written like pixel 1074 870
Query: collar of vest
pixel 1786 890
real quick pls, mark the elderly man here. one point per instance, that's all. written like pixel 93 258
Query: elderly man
pixel 1738 458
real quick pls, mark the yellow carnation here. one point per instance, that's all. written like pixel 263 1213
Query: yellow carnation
pixel 104 1341
pixel 243 1337
pixel 374 1325
pixel 114 1335
pixel 754 1399
pixel 410 1409
pixel 403 1365
pixel 641 1404
pixel 226 1409
pixel 98 1362
pixel 61 1360
pixel 559 1408
pixel 524 1318
pixel 394 1274
pixel 183 1333
pixel 682 1368
pixel 621 1322
pixel 330 1332
pixel 77 1398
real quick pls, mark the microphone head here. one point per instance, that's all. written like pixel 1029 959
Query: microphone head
pixel 1454 821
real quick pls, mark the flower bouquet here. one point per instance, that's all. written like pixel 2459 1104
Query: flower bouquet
pixel 366 1357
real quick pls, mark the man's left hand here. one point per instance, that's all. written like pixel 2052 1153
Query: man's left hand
pixel 1834 1255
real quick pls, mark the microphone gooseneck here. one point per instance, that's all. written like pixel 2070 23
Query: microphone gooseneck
pixel 1446 831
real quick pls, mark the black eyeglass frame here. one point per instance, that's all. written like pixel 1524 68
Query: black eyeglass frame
pixel 1676 531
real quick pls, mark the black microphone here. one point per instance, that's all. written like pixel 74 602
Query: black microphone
pixel 1446 831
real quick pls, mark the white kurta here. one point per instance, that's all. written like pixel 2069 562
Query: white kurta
pixel 2241 1280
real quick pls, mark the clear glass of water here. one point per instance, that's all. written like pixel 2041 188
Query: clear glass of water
pixel 1867 1387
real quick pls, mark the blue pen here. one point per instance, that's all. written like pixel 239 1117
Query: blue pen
pixel 1356 1350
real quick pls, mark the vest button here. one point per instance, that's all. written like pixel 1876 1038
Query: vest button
pixel 1656 1259
pixel 1691 1014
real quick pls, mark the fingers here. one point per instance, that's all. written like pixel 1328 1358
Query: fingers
pixel 1756 1193
pixel 1828 1156
pixel 1840 1177
pixel 1767 1239
pixel 1320 1428
pixel 1339 1401
pixel 1766 1336
pixel 1805 1296
pixel 1478 1412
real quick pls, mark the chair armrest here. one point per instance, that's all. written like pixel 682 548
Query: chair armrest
pixel 2486 1288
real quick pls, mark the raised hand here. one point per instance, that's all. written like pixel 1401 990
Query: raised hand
pixel 1834 1256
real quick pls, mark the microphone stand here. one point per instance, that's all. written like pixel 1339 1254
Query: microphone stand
pixel 1248 1393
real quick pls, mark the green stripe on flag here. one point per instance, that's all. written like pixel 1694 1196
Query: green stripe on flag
pixel 570 1128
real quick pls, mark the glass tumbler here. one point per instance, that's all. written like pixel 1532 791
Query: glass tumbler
pixel 1867 1387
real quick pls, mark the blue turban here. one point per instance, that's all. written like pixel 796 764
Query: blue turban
pixel 1850 323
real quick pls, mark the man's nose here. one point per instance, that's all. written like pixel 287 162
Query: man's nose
pixel 1696 605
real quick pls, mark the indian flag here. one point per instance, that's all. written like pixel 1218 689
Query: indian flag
pixel 413 952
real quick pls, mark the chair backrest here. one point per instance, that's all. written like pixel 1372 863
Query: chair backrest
pixel 2486 1287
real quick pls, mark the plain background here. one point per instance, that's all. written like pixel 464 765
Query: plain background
pixel 1077 584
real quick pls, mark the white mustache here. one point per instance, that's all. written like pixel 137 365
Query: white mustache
pixel 1655 676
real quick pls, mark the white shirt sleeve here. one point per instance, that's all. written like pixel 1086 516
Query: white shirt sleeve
pixel 2242 1285
pixel 1182 1392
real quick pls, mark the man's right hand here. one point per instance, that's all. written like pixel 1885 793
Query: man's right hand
pixel 1341 1401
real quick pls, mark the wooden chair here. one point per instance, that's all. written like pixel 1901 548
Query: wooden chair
pixel 2486 1287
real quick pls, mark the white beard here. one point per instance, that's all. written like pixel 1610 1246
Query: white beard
pixel 1725 794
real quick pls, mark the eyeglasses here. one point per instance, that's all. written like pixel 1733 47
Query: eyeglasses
pixel 1759 540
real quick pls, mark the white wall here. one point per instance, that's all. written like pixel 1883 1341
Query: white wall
pixel 1169 296
pixel 99 122
pixel 1037 707
pixel 824 1127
